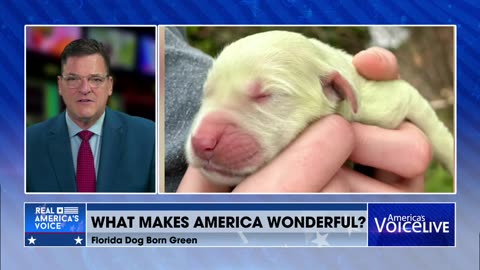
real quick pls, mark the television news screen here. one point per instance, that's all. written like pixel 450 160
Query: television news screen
pixel 51 41
pixel 121 45
pixel 195 219
pixel 146 58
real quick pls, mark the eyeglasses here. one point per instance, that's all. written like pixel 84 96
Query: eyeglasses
pixel 75 81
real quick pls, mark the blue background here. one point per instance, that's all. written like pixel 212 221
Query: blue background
pixel 15 14
pixel 55 240
pixel 432 212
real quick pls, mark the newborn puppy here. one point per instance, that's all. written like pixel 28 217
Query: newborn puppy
pixel 264 89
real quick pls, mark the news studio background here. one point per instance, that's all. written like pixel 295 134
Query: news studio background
pixel 132 57
pixel 464 255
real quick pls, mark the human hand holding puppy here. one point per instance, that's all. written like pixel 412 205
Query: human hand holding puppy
pixel 313 162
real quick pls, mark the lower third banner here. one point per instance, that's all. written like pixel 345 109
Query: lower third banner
pixel 228 224
pixel 239 224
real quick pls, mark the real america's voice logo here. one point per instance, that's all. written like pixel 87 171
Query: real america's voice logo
pixel 411 224
pixel 54 224
pixel 55 218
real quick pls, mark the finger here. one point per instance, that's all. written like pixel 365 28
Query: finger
pixel 194 181
pixel 376 64
pixel 415 184
pixel 386 176
pixel 361 183
pixel 337 185
pixel 309 162
pixel 405 151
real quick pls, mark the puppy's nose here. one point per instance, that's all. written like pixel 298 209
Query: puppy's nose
pixel 208 137
pixel 203 145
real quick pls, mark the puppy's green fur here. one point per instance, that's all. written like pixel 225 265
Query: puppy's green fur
pixel 306 80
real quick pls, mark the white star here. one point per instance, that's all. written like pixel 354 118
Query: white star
pixel 350 230
pixel 31 240
pixel 78 240
pixel 243 237
pixel 321 240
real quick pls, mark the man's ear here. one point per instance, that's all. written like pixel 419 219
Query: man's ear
pixel 59 85
pixel 336 88
pixel 110 82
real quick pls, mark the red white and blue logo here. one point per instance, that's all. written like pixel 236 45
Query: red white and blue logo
pixel 54 224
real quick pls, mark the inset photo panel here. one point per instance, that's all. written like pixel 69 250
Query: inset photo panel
pixel 332 109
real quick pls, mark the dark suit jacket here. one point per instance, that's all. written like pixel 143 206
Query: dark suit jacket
pixel 127 155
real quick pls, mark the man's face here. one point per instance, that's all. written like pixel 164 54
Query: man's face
pixel 85 88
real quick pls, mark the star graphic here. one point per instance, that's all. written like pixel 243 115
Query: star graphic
pixel 31 240
pixel 350 230
pixel 321 240
pixel 78 240
pixel 243 237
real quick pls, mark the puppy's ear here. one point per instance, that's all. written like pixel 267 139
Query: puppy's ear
pixel 336 88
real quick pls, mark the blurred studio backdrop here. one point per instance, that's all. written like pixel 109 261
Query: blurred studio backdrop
pixel 132 60
pixel 425 56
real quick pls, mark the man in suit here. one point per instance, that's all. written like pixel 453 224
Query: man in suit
pixel 90 148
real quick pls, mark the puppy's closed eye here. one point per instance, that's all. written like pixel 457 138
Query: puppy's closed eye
pixel 257 93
